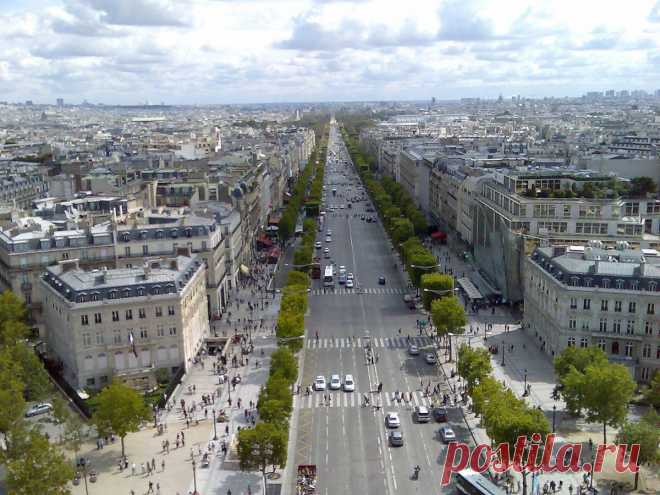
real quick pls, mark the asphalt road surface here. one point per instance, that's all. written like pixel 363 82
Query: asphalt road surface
pixel 348 441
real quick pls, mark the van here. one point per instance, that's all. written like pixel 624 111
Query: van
pixel 422 414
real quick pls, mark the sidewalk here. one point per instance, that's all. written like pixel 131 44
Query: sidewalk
pixel 174 470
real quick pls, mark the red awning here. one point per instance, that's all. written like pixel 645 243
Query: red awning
pixel 438 235
pixel 263 239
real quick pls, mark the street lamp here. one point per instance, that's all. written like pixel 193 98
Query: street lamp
pixel 194 466
pixel 525 391
pixel 503 349
pixel 215 432
pixel 554 410
pixel 82 464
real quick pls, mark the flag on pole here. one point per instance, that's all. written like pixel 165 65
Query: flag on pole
pixel 131 339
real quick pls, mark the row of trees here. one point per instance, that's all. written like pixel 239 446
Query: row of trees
pixel 404 222
pixel 265 445
pixel 504 416
pixel 34 464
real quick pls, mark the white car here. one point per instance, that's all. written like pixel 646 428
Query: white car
pixel 335 382
pixel 328 239
pixel 318 245
pixel 319 383
pixel 38 409
pixel 447 434
pixel 328 232
pixel 349 283
pixel 392 420
pixel 349 384
pixel 350 276
pixel 430 358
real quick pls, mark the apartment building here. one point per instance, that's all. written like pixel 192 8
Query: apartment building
pixel 590 296
pixel 29 245
pixel 163 232
pixel 516 210
pixel 125 323
pixel 19 190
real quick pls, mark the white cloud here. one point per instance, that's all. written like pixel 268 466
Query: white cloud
pixel 196 51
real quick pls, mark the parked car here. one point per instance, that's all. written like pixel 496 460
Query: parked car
pixel 37 409
pixel 430 358
pixel 413 350
pixel 335 382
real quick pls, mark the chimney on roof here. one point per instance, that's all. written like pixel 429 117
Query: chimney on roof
pixel 69 265
pixel 147 270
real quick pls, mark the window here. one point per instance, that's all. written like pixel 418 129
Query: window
pixel 160 330
pixel 571 342
pixel 145 250
pixel 615 348
pixel 605 283
pixel 630 327
pixel 97 318
pixel 586 304
pixel 603 305
pixel 172 331
pixel 87 339
pixel 143 333
pixel 142 313
pixel 65 256
pixel 648 327
pixel 572 324
pixel 628 349
pixel 646 351
pixel 84 320
pixel 584 342
pixel 159 311
pixel 129 314
pixel 127 251
pixel 603 325
pixel 585 325
pixel 657 352
pixel 91 382
pixel 645 374
pixel 117 337
pixel 617 305
pixel 650 309
pixel 170 310
pixel 573 303
pixel 616 327
pixel 632 307
pixel 601 344
pixel 115 316
pixel 99 338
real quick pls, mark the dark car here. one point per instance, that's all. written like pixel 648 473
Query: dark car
pixel 381 280
pixel 440 414
pixel 396 438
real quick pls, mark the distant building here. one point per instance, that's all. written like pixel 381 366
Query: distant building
pixel 60 102
pixel 125 323
pixel 588 296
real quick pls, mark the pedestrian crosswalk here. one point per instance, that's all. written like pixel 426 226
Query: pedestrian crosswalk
pixel 386 342
pixel 337 399
pixel 340 291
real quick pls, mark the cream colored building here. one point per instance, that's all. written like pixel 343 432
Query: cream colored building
pixel 125 323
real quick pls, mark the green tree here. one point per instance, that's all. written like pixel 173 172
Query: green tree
pixel 402 230
pixel 41 468
pixel 473 365
pixel 652 392
pixel 12 403
pixel 646 433
pixel 448 315
pixel 641 186
pixel 420 263
pixel 120 410
pixel 286 225
pixel 607 392
pixel 570 366
pixel 284 363
pixel 431 284
pixel 486 391
pixel 262 446
pixel 293 300
pixel 295 277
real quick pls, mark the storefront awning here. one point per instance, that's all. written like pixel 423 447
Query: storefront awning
pixel 468 287
pixel 438 235
pixel 245 270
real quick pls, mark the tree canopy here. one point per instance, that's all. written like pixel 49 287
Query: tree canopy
pixel 448 315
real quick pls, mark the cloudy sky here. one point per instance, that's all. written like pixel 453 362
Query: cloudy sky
pixel 235 51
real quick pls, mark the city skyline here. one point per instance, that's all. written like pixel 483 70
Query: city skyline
pixel 253 51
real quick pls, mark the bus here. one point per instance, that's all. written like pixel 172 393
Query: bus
pixel 328 277
pixel 470 482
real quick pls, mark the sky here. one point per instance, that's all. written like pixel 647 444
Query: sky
pixel 245 51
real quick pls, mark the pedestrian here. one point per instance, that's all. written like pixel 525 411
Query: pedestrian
pixel 151 487
pixel 143 468
pixel 162 465
pixel 133 468
pixel 153 463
